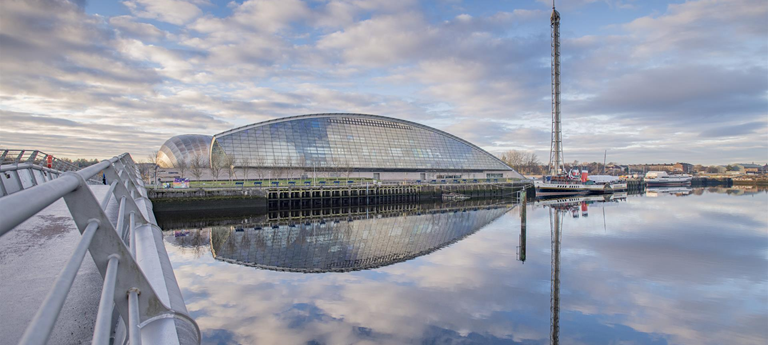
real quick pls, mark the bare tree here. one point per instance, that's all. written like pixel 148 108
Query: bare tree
pixel 532 163
pixel 153 157
pixel 301 163
pixel 145 169
pixel 289 163
pixel 336 166
pixel 217 162
pixel 245 165
pixel 258 164
pixel 514 158
pixel 347 165
pixel 182 165
pixel 277 169
pixel 197 166
pixel 229 162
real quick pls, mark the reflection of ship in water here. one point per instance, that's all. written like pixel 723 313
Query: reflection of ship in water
pixel 349 243
pixel 654 192
pixel 577 206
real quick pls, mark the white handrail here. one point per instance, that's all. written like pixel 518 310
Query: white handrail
pixel 136 283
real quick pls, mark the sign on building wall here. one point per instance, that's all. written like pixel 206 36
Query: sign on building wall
pixel 180 182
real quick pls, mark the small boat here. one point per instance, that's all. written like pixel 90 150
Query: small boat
pixel 662 179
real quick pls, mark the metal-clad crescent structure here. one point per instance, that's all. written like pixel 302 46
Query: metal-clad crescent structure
pixel 357 142
pixel 183 147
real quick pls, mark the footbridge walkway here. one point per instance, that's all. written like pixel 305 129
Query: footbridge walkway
pixel 51 216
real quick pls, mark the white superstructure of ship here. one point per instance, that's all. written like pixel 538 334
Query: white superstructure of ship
pixel 662 179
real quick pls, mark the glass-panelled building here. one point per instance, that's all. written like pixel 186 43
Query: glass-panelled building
pixel 366 146
pixel 183 147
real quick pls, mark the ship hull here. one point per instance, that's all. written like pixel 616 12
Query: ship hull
pixel 564 189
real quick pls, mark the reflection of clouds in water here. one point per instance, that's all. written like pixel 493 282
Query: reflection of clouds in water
pixel 689 278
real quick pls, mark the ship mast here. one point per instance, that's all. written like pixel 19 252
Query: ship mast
pixel 556 158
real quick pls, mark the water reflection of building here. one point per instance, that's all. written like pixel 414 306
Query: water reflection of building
pixel 194 240
pixel 339 245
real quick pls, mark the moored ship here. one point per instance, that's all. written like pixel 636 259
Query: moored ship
pixel 573 184
pixel 662 179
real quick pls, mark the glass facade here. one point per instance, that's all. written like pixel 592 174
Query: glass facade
pixel 338 246
pixel 183 147
pixel 362 142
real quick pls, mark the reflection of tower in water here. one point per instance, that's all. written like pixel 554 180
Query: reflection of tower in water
pixel 521 249
pixel 556 228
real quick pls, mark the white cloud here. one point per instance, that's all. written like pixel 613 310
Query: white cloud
pixel 693 64
pixel 175 12
pixel 128 27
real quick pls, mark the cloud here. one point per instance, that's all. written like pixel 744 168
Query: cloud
pixel 650 80
pixel 128 27
pixel 697 27
pixel 733 131
pixel 689 95
pixel 175 12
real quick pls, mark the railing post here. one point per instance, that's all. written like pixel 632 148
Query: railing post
pixel 132 234
pixel 134 334
pixel 103 327
pixel 18 158
pixel 3 192
pixel 120 226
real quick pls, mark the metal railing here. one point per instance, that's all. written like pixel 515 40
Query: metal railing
pixel 22 169
pixel 140 299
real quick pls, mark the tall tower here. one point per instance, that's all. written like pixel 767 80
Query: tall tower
pixel 556 159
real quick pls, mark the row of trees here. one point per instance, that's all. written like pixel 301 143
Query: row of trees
pixel 527 162
pixel 522 161
pixel 80 162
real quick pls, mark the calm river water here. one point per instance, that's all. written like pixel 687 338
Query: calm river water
pixel 675 267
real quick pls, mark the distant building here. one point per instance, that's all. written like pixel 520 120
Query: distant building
pixel 750 169
pixel 683 168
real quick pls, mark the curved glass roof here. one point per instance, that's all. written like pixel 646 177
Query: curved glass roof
pixel 356 141
pixel 183 147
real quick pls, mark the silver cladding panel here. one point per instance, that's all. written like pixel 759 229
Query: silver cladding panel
pixel 352 141
pixel 183 147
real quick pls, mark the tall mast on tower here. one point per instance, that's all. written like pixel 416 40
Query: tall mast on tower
pixel 556 158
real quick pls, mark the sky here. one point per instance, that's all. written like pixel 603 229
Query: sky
pixel 649 81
